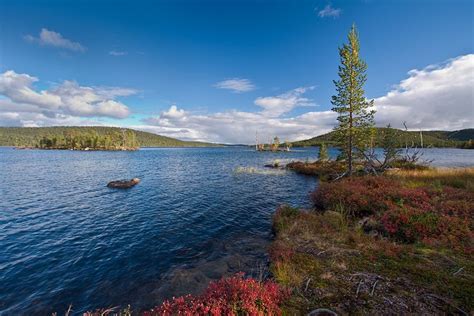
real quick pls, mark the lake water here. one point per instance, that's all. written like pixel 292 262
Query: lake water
pixel 198 214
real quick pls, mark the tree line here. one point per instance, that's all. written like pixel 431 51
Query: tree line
pixel 102 137
pixel 90 140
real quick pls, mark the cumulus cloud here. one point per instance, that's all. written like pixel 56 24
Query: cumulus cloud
pixel 238 126
pixel 55 39
pixel 117 53
pixel 329 11
pixel 436 97
pixel 67 102
pixel 32 119
pixel 277 105
pixel 236 85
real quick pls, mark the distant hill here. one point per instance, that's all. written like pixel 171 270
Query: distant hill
pixel 412 138
pixel 31 136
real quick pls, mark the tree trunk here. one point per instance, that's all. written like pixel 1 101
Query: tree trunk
pixel 349 152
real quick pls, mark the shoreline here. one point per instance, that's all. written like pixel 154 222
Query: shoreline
pixel 319 270
pixel 347 255
pixel 305 250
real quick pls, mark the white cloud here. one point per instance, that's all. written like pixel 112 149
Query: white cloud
pixel 31 119
pixel 283 103
pixel 329 11
pixel 436 97
pixel 117 53
pixel 67 102
pixel 17 87
pixel 173 113
pixel 55 39
pixel 236 85
pixel 239 127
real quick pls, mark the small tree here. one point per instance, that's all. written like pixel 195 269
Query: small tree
pixel 390 145
pixel 276 143
pixel 391 152
pixel 353 109
pixel 323 153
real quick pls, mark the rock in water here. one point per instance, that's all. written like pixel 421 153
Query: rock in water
pixel 123 184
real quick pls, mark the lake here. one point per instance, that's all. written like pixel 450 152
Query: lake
pixel 198 214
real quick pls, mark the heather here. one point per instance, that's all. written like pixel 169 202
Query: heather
pixel 329 261
pixel 396 243
pixel 234 295
pixel 431 206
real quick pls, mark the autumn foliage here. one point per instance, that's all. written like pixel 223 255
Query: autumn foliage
pixel 429 214
pixel 229 296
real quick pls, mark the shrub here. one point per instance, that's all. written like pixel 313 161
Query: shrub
pixel 358 196
pixel 422 214
pixel 229 296
pixel 322 169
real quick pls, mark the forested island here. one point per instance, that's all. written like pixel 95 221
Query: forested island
pixel 88 138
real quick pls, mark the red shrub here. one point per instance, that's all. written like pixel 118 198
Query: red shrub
pixel 409 224
pixel 359 196
pixel 406 214
pixel 456 202
pixel 229 296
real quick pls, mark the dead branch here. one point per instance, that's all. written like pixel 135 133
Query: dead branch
pixel 373 288
pixel 307 284
pixel 457 272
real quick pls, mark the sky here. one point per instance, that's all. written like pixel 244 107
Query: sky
pixel 220 71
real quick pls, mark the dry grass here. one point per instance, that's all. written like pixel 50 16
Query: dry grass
pixel 329 262
pixel 453 177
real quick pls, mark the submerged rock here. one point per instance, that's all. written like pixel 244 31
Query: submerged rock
pixel 123 184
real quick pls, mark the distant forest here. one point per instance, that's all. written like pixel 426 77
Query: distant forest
pixel 460 139
pixel 87 137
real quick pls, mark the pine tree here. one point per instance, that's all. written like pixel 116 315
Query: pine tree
pixel 354 114
pixel 323 153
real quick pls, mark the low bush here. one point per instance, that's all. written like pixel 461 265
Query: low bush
pixel 322 169
pixel 426 213
pixel 331 265
pixel 358 196
pixel 229 296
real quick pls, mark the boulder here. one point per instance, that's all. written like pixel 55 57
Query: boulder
pixel 123 184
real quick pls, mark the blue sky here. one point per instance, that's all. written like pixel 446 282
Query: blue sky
pixel 215 70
